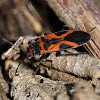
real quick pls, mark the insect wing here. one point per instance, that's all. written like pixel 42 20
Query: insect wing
pixel 66 39
pixel 61 40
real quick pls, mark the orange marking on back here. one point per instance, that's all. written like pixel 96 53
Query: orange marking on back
pixel 58 37
pixel 55 47
pixel 31 51
pixel 41 44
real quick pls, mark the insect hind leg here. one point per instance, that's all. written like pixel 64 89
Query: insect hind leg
pixel 72 54
pixel 91 29
pixel 71 28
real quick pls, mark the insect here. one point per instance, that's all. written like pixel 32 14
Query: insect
pixel 57 41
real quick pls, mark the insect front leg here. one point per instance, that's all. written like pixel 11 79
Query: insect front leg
pixel 39 61
pixel 41 58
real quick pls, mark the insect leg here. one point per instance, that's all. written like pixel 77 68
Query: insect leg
pixel 41 58
pixel 39 61
pixel 16 74
pixel 91 29
pixel 72 54
pixel 64 26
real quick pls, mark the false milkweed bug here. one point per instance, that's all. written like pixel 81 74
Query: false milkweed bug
pixel 57 41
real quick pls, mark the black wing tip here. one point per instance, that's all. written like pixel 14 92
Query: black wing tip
pixel 78 37
pixel 86 35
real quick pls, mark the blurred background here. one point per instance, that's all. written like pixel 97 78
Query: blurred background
pixel 28 18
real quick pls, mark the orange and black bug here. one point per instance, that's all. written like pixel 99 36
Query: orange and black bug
pixel 57 41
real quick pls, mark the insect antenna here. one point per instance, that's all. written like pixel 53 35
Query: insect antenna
pixel 8 41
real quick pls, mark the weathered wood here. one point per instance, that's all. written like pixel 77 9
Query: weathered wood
pixel 80 14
